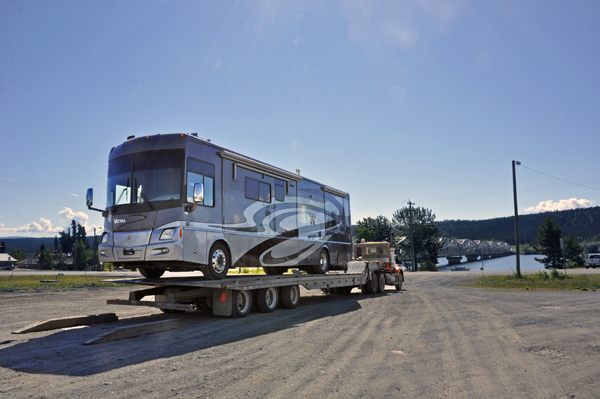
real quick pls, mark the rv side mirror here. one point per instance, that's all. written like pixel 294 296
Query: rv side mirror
pixel 199 193
pixel 89 197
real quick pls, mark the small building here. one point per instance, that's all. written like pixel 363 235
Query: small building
pixel 7 262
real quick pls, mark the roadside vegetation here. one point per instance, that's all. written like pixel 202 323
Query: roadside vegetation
pixel 540 281
pixel 52 282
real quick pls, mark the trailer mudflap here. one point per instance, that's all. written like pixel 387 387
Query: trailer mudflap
pixel 220 307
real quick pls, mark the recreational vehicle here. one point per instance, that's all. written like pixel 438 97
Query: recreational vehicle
pixel 180 203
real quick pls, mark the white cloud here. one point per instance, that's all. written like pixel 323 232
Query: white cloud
pixel 550 205
pixel 45 226
pixel 1 224
pixel 67 215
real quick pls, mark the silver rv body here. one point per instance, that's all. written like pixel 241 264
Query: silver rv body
pixel 177 202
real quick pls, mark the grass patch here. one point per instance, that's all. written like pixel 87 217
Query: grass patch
pixel 25 283
pixel 541 281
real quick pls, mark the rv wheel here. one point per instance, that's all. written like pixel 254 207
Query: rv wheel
pixel 323 266
pixel 149 272
pixel 218 262
pixel 274 271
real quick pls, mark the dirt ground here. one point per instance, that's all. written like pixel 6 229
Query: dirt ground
pixel 430 340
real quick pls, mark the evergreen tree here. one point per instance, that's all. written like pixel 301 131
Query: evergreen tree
pixel 425 234
pixel 573 250
pixel 55 244
pixel 46 261
pixel 80 261
pixel 549 244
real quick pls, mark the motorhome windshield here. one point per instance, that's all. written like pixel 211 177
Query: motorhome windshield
pixel 145 177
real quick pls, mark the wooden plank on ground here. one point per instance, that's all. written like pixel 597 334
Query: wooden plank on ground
pixel 66 322
pixel 136 330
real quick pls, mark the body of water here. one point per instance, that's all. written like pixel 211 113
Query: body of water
pixel 504 263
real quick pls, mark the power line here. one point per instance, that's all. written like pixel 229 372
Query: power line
pixel 558 178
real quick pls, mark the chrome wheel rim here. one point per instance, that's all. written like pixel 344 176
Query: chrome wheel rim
pixel 243 301
pixel 271 297
pixel 219 261
pixel 323 261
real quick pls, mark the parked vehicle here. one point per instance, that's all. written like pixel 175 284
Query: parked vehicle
pixel 593 261
pixel 177 202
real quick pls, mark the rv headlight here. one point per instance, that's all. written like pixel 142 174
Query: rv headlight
pixel 104 238
pixel 167 234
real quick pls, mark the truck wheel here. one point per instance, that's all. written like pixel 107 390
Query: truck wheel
pixel 242 303
pixel 323 266
pixel 290 296
pixel 150 272
pixel 380 282
pixel 399 283
pixel 370 286
pixel 266 299
pixel 218 262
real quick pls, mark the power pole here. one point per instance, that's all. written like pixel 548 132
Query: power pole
pixel 516 217
pixel 412 241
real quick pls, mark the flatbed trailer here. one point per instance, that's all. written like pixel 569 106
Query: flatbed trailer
pixel 237 295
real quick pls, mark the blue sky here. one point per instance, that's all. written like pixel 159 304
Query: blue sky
pixel 388 100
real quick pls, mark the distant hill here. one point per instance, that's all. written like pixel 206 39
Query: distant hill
pixel 583 223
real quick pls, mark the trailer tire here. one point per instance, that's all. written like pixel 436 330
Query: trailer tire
pixel 346 290
pixel 323 266
pixel 267 299
pixel 380 282
pixel 150 272
pixel 218 262
pixel 290 296
pixel 242 303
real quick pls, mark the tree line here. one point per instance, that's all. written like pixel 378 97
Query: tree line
pixel 71 243
pixel 583 224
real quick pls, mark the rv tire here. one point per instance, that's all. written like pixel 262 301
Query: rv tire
pixel 218 262
pixel 149 272
pixel 323 266
pixel 274 271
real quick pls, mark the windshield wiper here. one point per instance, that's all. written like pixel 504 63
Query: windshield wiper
pixel 146 200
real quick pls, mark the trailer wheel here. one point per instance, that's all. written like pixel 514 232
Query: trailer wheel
pixel 323 266
pixel 267 299
pixel 380 282
pixel 290 296
pixel 218 262
pixel 370 287
pixel 242 303
pixel 150 272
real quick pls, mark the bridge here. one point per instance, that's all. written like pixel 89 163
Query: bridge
pixel 455 248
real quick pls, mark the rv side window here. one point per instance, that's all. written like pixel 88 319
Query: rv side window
pixel 257 190
pixel 279 190
pixel 204 173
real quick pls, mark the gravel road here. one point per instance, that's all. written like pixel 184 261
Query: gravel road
pixel 433 339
